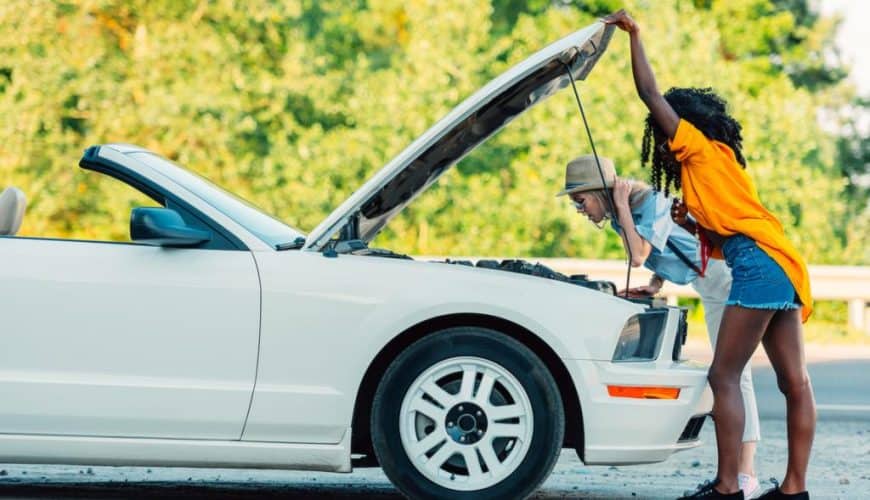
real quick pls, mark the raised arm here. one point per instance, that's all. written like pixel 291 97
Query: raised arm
pixel 644 79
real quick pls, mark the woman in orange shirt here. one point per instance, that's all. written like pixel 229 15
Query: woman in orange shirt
pixel 696 146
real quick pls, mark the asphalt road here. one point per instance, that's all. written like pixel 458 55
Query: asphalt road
pixel 841 389
pixel 839 468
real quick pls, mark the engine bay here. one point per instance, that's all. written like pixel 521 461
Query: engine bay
pixel 537 269
pixel 358 247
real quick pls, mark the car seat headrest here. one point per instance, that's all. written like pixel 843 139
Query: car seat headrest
pixel 12 204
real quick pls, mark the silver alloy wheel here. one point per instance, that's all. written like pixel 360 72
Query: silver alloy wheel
pixel 466 423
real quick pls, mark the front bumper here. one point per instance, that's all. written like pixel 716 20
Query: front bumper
pixel 637 431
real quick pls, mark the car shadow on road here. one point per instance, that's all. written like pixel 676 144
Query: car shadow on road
pixel 173 491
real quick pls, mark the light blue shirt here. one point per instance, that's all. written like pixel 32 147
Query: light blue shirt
pixel 652 218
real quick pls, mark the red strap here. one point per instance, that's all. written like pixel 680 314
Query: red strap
pixel 706 249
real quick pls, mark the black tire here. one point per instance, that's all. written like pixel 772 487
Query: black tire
pixel 533 376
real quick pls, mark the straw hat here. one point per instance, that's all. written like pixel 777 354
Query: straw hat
pixel 582 174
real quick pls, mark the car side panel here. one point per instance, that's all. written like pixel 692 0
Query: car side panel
pixel 325 319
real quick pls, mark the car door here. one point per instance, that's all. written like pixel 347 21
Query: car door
pixel 104 339
pixel 126 340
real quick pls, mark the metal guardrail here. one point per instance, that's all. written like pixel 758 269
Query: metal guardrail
pixel 847 283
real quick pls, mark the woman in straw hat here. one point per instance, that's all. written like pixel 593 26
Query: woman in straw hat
pixel 644 221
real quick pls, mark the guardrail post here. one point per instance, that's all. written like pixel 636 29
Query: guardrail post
pixel 857 315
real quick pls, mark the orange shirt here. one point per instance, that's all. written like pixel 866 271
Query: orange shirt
pixel 721 197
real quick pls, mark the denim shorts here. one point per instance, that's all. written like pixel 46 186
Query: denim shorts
pixel 758 282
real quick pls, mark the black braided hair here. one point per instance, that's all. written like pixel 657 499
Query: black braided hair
pixel 703 109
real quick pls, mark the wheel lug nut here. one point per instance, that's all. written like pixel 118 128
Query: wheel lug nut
pixel 480 433
pixel 479 413
pixel 460 408
pixel 462 438
pixel 449 424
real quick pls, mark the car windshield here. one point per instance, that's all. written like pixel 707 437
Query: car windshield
pixel 244 213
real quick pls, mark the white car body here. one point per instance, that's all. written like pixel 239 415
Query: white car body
pixel 242 355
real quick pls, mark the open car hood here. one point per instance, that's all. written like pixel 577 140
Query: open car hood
pixel 489 109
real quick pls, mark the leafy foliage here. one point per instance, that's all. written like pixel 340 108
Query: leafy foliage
pixel 293 104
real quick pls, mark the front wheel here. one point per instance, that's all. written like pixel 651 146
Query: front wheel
pixel 467 413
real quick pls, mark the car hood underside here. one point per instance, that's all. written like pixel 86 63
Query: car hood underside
pixel 416 168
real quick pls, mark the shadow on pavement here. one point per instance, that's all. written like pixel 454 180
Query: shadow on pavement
pixel 172 491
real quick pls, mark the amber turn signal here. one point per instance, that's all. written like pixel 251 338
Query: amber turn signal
pixel 619 391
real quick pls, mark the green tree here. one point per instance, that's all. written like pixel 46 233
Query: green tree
pixel 293 104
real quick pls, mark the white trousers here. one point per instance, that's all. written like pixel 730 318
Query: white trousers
pixel 714 289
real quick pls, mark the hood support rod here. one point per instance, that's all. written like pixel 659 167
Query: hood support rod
pixel 609 196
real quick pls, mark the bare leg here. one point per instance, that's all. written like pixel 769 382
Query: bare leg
pixel 739 335
pixel 714 289
pixel 785 349
pixel 747 458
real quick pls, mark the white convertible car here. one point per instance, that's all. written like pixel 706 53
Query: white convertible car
pixel 221 337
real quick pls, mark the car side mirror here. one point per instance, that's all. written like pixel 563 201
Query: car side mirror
pixel 164 227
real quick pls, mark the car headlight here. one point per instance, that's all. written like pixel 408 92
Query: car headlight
pixel 641 338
